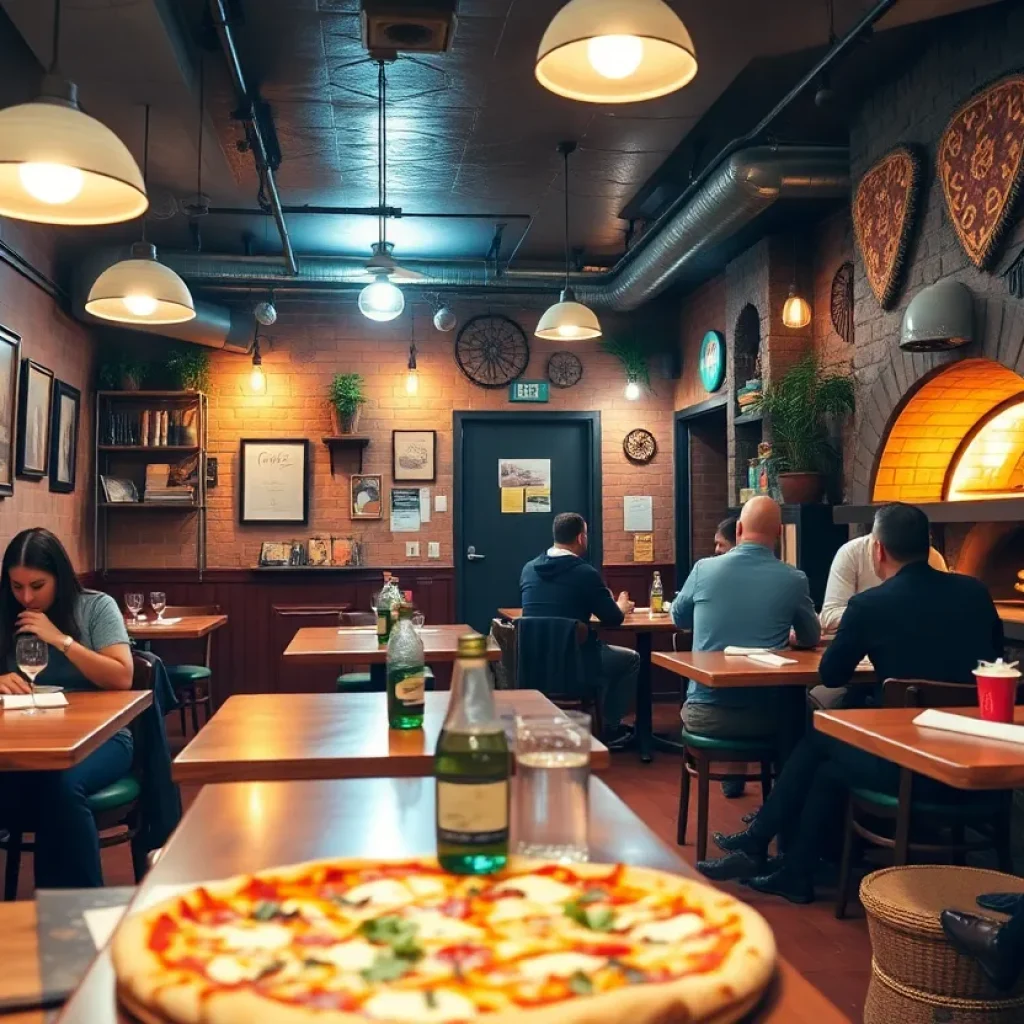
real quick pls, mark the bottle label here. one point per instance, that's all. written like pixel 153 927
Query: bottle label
pixel 383 625
pixel 472 812
pixel 657 603
pixel 410 689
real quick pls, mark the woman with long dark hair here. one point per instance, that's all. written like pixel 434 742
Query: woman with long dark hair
pixel 88 650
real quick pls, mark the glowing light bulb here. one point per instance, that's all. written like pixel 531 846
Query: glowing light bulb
pixel 53 184
pixel 257 380
pixel 412 383
pixel 796 312
pixel 632 391
pixel 140 305
pixel 615 56
pixel 568 331
pixel 381 300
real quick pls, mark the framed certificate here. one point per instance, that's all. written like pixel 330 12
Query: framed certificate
pixel 273 480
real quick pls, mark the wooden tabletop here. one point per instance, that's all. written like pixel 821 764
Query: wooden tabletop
pixel 966 762
pixel 713 668
pixel 59 738
pixel 189 627
pixel 245 827
pixel 268 737
pixel 19 954
pixel 639 620
pixel 331 645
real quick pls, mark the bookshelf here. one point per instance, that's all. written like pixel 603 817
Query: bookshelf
pixel 133 431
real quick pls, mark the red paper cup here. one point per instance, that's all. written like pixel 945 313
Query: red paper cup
pixel 996 696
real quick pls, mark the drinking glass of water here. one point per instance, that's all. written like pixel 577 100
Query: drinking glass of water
pixel 418 620
pixel 31 655
pixel 158 600
pixel 134 603
pixel 550 807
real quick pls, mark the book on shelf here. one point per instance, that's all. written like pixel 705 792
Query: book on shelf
pixel 151 428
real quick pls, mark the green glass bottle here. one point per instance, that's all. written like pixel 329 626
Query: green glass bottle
pixel 406 675
pixel 472 767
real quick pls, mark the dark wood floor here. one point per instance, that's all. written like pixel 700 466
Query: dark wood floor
pixel 834 955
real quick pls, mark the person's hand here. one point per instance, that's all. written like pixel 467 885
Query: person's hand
pixel 41 626
pixel 13 683
pixel 624 602
pixel 793 642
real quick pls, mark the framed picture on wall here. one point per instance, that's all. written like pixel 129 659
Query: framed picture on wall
pixel 34 419
pixel 273 481
pixel 10 361
pixel 414 455
pixel 367 496
pixel 67 403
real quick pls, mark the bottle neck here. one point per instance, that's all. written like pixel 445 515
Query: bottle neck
pixel 471 705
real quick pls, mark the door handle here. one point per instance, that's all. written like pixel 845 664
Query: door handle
pixel 472 555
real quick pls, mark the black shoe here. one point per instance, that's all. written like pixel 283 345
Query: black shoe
pixel 619 738
pixel 785 883
pixel 978 938
pixel 742 842
pixel 732 789
pixel 748 817
pixel 1001 902
pixel 733 867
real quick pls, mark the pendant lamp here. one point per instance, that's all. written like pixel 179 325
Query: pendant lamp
pixel 612 51
pixel 60 166
pixel 567 319
pixel 141 290
pixel 257 378
pixel 796 311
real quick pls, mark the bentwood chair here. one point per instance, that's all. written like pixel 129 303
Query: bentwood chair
pixel 919 828
pixel 116 808
pixel 362 681
pixel 192 682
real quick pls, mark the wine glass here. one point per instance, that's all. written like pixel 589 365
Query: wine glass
pixel 375 602
pixel 158 600
pixel 134 603
pixel 31 655
pixel 418 620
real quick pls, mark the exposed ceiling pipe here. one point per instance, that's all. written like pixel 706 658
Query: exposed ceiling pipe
pixel 259 149
pixel 391 212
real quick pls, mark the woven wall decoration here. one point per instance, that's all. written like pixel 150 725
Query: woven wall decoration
pixel 842 302
pixel 884 214
pixel 981 165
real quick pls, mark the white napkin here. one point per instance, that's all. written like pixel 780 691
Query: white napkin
pixel 20 701
pixel 744 651
pixel 932 719
pixel 166 622
pixel 775 660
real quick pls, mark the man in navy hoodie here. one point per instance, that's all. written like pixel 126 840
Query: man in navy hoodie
pixel 560 584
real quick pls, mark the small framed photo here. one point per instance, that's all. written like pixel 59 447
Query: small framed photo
pixel 319 551
pixel 414 455
pixel 34 420
pixel 275 552
pixel 118 490
pixel 367 496
pixel 274 481
pixel 67 404
pixel 345 551
pixel 10 362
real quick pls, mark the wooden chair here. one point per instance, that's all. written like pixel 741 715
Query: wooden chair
pixel 363 681
pixel 192 682
pixel 986 814
pixel 504 670
pixel 116 808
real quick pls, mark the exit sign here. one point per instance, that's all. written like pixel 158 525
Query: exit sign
pixel 528 391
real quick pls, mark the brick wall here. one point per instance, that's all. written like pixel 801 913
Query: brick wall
pixel 66 347
pixel 703 310
pixel 709 481
pixel 312 342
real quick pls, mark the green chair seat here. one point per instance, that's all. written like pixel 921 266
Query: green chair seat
pixel 117 794
pixel 358 681
pixel 712 743
pixel 979 805
pixel 188 675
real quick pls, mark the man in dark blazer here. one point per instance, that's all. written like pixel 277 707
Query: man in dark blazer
pixel 920 623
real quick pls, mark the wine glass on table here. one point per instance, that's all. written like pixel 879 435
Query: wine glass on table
pixel 31 656
pixel 418 621
pixel 158 601
pixel 134 603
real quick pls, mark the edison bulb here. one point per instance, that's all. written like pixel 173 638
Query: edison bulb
pixel 615 56
pixel 381 300
pixel 632 391
pixel 54 184
pixel 412 383
pixel 257 380
pixel 140 305
pixel 796 312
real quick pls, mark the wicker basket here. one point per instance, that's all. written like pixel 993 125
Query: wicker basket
pixel 890 1002
pixel 907 941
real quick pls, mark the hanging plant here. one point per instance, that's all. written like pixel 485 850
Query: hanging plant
pixel 190 369
pixel 633 359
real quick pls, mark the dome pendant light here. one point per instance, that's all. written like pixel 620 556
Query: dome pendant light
pixel 567 319
pixel 60 166
pixel 611 51
pixel 141 290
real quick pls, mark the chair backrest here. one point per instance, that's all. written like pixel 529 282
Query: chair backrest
pixel 142 673
pixel 178 611
pixel 927 693
pixel 357 619
pixel 682 640
pixel 539 666
pixel 504 633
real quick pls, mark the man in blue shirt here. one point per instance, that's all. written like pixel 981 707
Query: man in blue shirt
pixel 746 598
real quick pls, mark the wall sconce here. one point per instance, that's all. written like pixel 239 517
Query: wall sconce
pixel 632 390
pixel 257 379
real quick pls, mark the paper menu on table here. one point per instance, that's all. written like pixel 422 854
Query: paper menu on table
pixel 21 701
pixel 935 719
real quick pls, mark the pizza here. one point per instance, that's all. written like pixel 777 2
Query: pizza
pixel 351 941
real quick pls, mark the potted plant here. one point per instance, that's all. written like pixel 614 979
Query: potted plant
pixel 800 407
pixel 123 374
pixel 347 399
pixel 190 369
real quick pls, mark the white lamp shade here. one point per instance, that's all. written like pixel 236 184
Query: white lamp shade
pixel 796 312
pixel 60 166
pixel 612 51
pixel 140 290
pixel 568 320
pixel 381 301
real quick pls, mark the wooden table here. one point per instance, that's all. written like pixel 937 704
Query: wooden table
pixel 966 762
pixel 59 738
pixel 19 954
pixel 330 645
pixel 245 827
pixel 713 668
pixel 190 627
pixel 270 736
pixel 640 622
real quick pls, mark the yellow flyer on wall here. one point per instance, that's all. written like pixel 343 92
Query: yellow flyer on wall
pixel 643 547
pixel 512 499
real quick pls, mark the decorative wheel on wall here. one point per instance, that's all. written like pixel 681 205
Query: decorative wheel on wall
pixel 492 350
pixel 640 446
pixel 842 302
pixel 564 369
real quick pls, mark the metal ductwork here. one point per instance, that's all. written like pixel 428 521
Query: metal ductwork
pixel 743 187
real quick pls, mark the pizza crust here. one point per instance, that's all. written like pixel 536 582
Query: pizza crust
pixel 722 996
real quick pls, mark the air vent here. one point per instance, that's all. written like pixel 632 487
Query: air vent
pixel 410 26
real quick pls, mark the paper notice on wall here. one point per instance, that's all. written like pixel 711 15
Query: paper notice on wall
pixel 524 473
pixel 638 513
pixel 424 504
pixel 643 547
pixel 512 500
pixel 538 499
pixel 405 509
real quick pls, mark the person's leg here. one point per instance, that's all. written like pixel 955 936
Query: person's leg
pixel 619 667
pixel 67 844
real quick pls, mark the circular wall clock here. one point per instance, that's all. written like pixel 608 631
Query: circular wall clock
pixel 492 350
pixel 712 360
pixel 564 369
pixel 640 446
